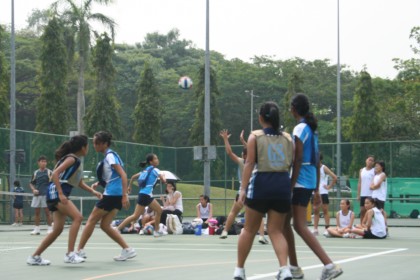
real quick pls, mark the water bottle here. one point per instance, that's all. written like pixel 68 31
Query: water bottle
pixel 197 230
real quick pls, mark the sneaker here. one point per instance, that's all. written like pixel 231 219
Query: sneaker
pixel 263 240
pixel 326 234
pixel 141 232
pixel 224 235
pixel 82 254
pixel 126 254
pixel 297 272
pixel 73 258
pixel 284 274
pixel 157 234
pixel 37 260
pixel 36 232
pixel 346 235
pixel 50 229
pixel 240 276
pixel 328 274
pixel 315 232
pixel 15 224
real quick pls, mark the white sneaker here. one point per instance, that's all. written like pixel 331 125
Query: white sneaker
pixel 346 235
pixel 73 258
pixel 297 272
pixel 284 274
pixel 126 254
pixel 141 232
pixel 326 234
pixel 49 230
pixel 82 254
pixel 224 235
pixel 328 274
pixel 36 231
pixel 37 260
pixel 263 240
pixel 158 234
pixel 15 224
pixel 315 232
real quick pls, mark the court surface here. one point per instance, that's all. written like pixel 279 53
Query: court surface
pixel 208 257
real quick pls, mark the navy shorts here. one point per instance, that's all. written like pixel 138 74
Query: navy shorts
pixel 325 199
pixel 17 205
pixel 52 204
pixel 109 203
pixel 264 205
pixel 362 200
pixel 144 199
pixel 369 235
pixel 301 196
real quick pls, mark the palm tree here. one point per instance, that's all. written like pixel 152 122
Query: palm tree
pixel 79 18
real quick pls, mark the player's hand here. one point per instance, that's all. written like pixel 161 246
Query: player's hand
pixel 97 194
pixel 241 198
pixel 63 198
pixel 95 185
pixel 125 202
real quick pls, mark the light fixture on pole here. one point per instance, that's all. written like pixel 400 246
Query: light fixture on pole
pixel 251 92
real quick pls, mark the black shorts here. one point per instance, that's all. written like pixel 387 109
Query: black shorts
pixel 264 205
pixel 17 205
pixel 52 204
pixel 379 204
pixel 362 200
pixel 325 199
pixel 369 235
pixel 144 199
pixel 301 196
pixel 109 203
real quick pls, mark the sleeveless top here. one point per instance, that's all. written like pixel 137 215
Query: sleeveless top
pixel 381 192
pixel 378 226
pixel 204 211
pixel 178 203
pixel 366 178
pixel 323 181
pixel 69 178
pixel 344 220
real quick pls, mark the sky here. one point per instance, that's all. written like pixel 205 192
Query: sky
pixel 372 32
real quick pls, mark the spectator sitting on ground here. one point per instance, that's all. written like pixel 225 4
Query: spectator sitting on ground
pixel 172 202
pixel 344 220
pixel 204 210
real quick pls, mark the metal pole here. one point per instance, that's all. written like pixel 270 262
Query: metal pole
pixel 12 172
pixel 252 106
pixel 338 102
pixel 207 106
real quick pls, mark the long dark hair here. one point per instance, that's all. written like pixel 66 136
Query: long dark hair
pixel 269 111
pixel 75 144
pixel 149 158
pixel 300 103
pixel 382 164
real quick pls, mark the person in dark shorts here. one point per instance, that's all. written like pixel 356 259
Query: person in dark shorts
pixel 18 204
pixel 113 199
pixel 267 189
pixel 66 175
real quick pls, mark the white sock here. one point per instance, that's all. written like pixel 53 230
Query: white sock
pixel 239 271
pixel 293 267
pixel 329 266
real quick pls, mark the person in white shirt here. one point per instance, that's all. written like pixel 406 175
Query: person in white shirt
pixel 379 185
pixel 344 219
pixel 366 175
pixel 374 226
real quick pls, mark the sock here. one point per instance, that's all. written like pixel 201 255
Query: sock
pixel 239 271
pixel 329 266
pixel 292 267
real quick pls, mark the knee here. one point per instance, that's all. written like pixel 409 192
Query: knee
pixel 78 219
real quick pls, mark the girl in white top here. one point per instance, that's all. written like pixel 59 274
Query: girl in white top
pixel 374 226
pixel 204 209
pixel 324 187
pixel 366 175
pixel 379 185
pixel 172 203
pixel 344 219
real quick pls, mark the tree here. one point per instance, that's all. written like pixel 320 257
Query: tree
pixel 197 130
pixel 103 112
pixel 52 114
pixel 293 87
pixel 79 18
pixel 364 125
pixel 4 103
pixel 147 114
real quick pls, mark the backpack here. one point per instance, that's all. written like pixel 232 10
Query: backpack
pixel 144 175
pixel 187 228
pixel 100 169
pixel 414 214
pixel 173 224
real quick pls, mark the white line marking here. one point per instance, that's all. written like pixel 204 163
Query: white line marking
pixel 13 249
pixel 262 276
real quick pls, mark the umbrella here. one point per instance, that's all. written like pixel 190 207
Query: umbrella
pixel 169 175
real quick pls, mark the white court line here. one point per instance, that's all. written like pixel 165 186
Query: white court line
pixel 13 249
pixel 262 276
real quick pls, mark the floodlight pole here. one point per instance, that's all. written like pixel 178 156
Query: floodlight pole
pixel 338 103
pixel 207 107
pixel 12 147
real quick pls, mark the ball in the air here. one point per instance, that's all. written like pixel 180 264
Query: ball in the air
pixel 185 82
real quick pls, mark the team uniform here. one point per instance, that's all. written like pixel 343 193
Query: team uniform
pixel 69 178
pixel 366 179
pixel 151 173
pixel 379 195
pixel 41 180
pixel 241 165
pixel 344 219
pixel 378 228
pixel 323 181
pixel 306 181
pixel 112 196
pixel 18 201
pixel 270 186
